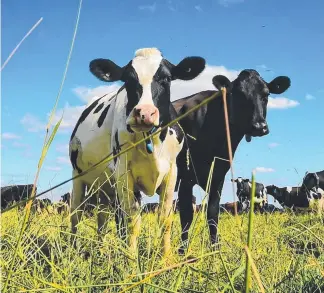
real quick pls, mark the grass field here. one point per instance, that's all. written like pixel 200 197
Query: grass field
pixel 287 250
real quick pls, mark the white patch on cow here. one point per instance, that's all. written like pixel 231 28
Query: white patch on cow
pixel 289 189
pixel 250 185
pixel 146 63
pixel 320 190
pixel 239 179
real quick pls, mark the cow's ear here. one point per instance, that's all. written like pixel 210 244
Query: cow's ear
pixel 246 180
pixel 106 70
pixel 279 84
pixel 233 180
pixel 220 81
pixel 189 68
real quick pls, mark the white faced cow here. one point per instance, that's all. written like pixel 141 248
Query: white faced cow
pixel 243 192
pixel 120 119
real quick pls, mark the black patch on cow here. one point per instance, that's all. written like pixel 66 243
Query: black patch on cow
pixel 170 131
pixel 129 129
pixel 99 108
pixel 103 116
pixel 84 115
pixel 114 154
pixel 118 148
pixel 74 156
pixel 163 134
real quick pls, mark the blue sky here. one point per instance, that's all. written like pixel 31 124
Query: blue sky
pixel 274 37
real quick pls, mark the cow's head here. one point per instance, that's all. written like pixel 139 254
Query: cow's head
pixel 147 79
pixel 310 182
pixel 250 95
pixel 241 187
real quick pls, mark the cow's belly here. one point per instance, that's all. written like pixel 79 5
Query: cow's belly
pixel 148 174
pixel 91 154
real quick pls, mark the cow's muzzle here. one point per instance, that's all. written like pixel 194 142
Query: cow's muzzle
pixel 145 117
pixel 259 129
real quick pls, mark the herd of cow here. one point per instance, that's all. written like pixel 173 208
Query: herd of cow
pixel 157 156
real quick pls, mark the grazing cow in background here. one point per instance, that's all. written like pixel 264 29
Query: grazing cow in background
pixel 117 121
pixel 150 208
pixel 247 99
pixel 64 203
pixel 314 181
pixel 40 204
pixel 296 198
pixel 270 208
pixel 15 193
pixel 243 192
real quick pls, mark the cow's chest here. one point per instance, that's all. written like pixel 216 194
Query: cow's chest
pixel 149 170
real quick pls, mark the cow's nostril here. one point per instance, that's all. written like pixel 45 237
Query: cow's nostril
pixel 143 117
pixel 137 112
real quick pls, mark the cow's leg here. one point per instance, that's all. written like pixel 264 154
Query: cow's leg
pixel 165 207
pixel 78 195
pixel 129 206
pixel 186 212
pixel 213 209
pixel 106 193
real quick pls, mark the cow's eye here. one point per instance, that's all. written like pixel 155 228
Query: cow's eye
pixel 166 79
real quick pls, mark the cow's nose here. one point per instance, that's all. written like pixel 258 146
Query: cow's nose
pixel 147 114
pixel 261 127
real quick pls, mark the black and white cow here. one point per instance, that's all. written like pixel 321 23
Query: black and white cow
pixel 14 194
pixel 296 198
pixel 247 99
pixel 243 192
pixel 120 119
pixel 314 182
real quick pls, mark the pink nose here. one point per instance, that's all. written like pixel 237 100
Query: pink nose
pixel 146 114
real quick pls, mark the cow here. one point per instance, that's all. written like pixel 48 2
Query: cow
pixel 15 193
pixel 150 208
pixel 205 141
pixel 39 205
pixel 314 181
pixel 64 203
pixel 270 208
pixel 296 198
pixel 116 121
pixel 243 192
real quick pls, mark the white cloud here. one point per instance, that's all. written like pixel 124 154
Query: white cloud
pixel 151 7
pixel 10 136
pixel 63 160
pixel 309 97
pixel 62 148
pixel 198 8
pixel 88 94
pixel 273 144
pixel 180 88
pixel 32 123
pixel 281 103
pixel 226 3
pixel 50 168
pixel 263 170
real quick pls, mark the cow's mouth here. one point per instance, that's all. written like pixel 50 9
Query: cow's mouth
pixel 140 127
pixel 256 133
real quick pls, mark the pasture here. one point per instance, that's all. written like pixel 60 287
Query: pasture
pixel 287 250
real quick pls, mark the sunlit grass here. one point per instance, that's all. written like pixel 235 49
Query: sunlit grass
pixel 46 260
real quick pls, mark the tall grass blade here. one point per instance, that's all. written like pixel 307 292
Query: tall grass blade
pixel 248 283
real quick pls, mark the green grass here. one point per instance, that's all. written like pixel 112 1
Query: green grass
pixel 46 262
